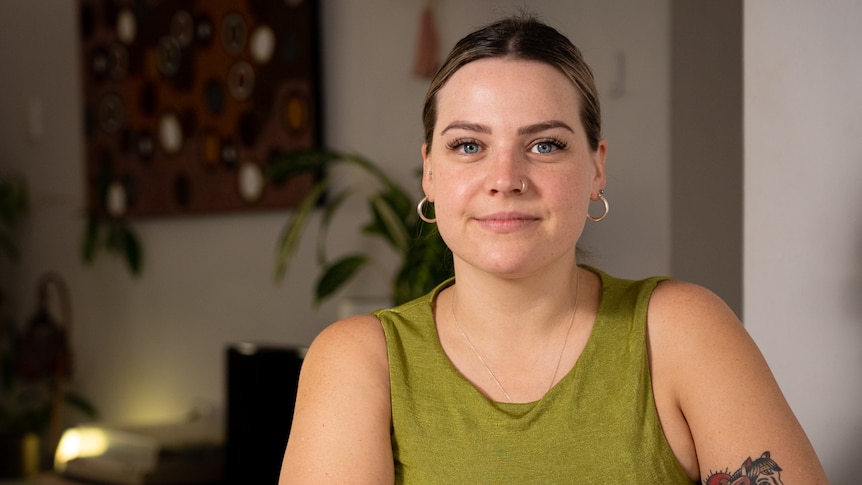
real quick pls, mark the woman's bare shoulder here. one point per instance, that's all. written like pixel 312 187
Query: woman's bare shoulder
pixel 341 421
pixel 360 334
pixel 709 378
pixel 355 344
pixel 693 336
pixel 680 301
pixel 686 320
pixel 348 355
pixel 350 351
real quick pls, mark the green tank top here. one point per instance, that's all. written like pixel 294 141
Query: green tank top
pixel 597 425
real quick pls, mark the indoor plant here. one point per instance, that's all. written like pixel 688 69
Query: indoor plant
pixel 30 398
pixel 112 233
pixel 425 261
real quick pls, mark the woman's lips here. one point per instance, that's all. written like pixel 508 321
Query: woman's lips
pixel 504 222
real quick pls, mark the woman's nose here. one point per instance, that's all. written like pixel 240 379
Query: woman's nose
pixel 506 176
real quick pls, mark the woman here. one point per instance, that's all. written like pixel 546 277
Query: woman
pixel 528 368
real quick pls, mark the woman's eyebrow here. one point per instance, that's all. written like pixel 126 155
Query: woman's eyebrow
pixel 525 130
pixel 543 126
pixel 467 126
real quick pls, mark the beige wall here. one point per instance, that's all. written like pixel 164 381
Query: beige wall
pixel 803 214
pixel 152 348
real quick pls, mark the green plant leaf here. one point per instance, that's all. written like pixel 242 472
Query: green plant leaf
pixel 388 224
pixel 337 274
pixel 111 234
pixel 401 203
pixel 371 169
pixel 132 250
pixel 80 403
pixel 425 260
pixel 427 263
pixel 289 240
pixel 283 165
pixel 13 198
pixel 115 236
pixel 330 207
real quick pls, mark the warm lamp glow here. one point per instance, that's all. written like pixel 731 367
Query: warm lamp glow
pixel 104 447
pixel 79 442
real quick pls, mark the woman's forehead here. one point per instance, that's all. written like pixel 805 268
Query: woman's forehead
pixel 508 87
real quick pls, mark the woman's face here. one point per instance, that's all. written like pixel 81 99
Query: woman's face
pixel 503 125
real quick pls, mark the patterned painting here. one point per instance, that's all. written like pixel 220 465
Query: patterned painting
pixel 185 101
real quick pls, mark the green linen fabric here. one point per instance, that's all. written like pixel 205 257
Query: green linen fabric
pixel 597 425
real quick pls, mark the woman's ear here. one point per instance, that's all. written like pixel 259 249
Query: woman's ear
pixel 599 179
pixel 427 174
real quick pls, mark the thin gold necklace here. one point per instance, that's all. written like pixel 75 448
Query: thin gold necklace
pixel 562 350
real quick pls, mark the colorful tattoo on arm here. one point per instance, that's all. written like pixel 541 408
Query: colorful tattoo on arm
pixel 762 471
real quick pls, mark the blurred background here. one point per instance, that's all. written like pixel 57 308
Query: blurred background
pixel 734 161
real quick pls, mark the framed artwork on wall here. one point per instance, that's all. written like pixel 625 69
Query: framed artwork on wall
pixel 185 101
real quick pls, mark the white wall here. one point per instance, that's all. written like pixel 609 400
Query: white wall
pixel 152 348
pixel 803 214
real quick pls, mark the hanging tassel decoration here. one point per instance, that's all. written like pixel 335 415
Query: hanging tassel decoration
pixel 427 58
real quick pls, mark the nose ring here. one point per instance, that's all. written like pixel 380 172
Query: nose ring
pixel 523 186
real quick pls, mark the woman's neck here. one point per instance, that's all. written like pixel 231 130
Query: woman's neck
pixel 525 303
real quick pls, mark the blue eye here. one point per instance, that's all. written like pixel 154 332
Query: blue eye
pixel 469 148
pixel 548 146
pixel 544 147
pixel 465 146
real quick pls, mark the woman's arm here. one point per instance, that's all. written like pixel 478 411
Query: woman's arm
pixel 721 407
pixel 340 430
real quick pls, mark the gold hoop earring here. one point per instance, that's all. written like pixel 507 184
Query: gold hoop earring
pixel 605 203
pixel 420 209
